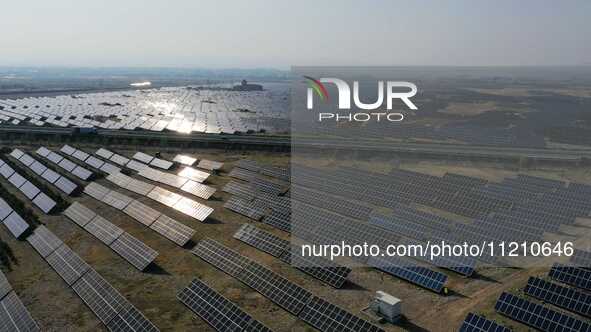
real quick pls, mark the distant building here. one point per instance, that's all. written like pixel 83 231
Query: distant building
pixel 245 86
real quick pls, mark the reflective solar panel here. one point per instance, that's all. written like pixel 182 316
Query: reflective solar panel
pixel 82 173
pixel 116 199
pixel 29 189
pixel 161 163
pixel 104 153
pixel 135 165
pixel 15 224
pixel 54 157
pixel 50 175
pixel 134 251
pixel 38 168
pixel 538 316
pixel 65 185
pixel 326 316
pixel 216 310
pixel 5 209
pixel 110 168
pixel 103 230
pixel 193 174
pixel 193 209
pixel 14 316
pixel 67 264
pixel 140 187
pixel 94 162
pixel 80 155
pixel 119 160
pixel 26 159
pixel 477 323
pixel 164 196
pixel 198 189
pixel 184 160
pixel 95 190
pixel 16 153
pixel 6 171
pixel 141 212
pixel 67 150
pixel 67 165
pixel 210 165
pixel 144 158
pixel 44 202
pixel 564 297
pixel 17 180
pixel 173 230
pixel 79 213
pixel 43 151
pixel 44 241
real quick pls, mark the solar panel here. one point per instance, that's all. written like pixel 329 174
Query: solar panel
pixel 95 190
pixel 16 153
pixel 26 160
pixel 67 150
pixel 140 187
pixel 408 270
pixel 44 202
pixel 116 199
pixel 79 213
pixel 477 323
pixel 6 171
pixel 54 157
pixel 119 159
pixel 38 168
pixel 131 319
pixel 193 174
pixel 193 208
pixel 14 316
pixel 198 189
pixel 103 230
pixel 262 240
pixel 242 174
pixel 100 296
pixel 253 209
pixel 216 310
pixel 15 224
pixel 5 209
pixel 110 168
pixel 65 185
pixel 29 189
pixel 80 155
pixel 136 165
pixel 164 196
pixel 82 173
pixel 67 264
pixel 67 165
pixel 319 268
pixel 326 316
pixel 17 180
pixel 5 287
pixel 173 230
pixel 581 258
pixel 538 316
pixel 134 251
pixel 210 165
pixel 571 275
pixel 141 212
pixel 44 241
pixel 564 297
pixel 119 179
pixel 94 162
pixel 221 257
pixel 161 163
pixel 50 175
pixel 185 160
pixel 104 153
pixel 43 151
pixel 144 158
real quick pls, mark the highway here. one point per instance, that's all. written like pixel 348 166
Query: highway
pixel 284 143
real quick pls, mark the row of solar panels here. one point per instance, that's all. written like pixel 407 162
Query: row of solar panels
pixel 90 160
pixel 111 308
pixel 12 220
pixel 181 181
pixel 182 204
pixel 127 246
pixel 203 163
pixel 61 182
pixel 317 312
pixel 157 221
pixel 272 171
pixel 39 199
pixel 65 164
pixel 13 314
pixel 152 161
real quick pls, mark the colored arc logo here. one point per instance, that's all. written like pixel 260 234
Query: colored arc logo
pixel 318 87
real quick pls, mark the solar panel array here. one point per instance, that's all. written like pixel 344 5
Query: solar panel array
pixel 157 221
pixel 216 310
pixel 111 308
pixel 210 165
pixel 581 259
pixel 538 316
pixel 39 199
pixel 252 209
pixel 79 171
pixel 13 314
pixel 131 249
pixel 187 110
pixel 12 220
pixel 408 270
pixel 62 183
pixel 293 298
pixel 183 183
pixel 184 160
pixel 90 160
pixel 477 323
pixel 272 171
pixel 571 275
pixel 564 297
pixel 322 269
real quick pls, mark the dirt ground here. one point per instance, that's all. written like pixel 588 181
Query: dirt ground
pixel 57 308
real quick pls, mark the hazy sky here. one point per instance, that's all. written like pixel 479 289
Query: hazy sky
pixel 277 33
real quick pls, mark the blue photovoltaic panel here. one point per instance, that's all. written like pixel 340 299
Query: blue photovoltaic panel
pixel 571 275
pixel 565 297
pixel 410 271
pixel 477 323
